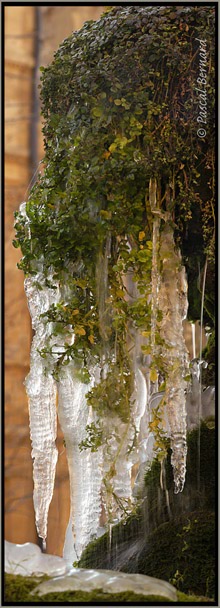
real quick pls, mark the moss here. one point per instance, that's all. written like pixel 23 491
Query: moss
pixel 183 552
pixel 104 598
pixel 18 588
pixel 157 533
pixel 188 499
pixel 182 597
pixel 208 374
pixel 99 553
pixel 207 464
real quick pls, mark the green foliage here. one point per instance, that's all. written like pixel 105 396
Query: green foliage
pixel 108 130
pixel 94 437
pixel 119 106
pixel 113 393
pixel 208 374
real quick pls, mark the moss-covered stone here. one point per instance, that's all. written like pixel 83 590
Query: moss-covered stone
pixel 183 552
pixel 152 541
pixel 18 589
pixel 199 487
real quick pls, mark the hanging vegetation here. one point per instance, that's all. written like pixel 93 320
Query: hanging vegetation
pixel 126 177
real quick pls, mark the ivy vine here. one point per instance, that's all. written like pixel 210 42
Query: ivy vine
pixel 120 107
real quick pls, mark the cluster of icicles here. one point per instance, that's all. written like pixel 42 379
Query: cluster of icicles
pixel 67 399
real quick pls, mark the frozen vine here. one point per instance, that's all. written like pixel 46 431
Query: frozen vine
pixel 89 226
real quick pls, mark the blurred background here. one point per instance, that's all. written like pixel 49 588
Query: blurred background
pixel 32 35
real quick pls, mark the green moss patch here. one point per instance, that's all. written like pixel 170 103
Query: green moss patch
pixel 175 545
pixel 183 553
pixel 18 589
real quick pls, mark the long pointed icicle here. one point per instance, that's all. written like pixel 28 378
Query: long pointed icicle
pixel 173 303
pixel 85 467
pixel 41 390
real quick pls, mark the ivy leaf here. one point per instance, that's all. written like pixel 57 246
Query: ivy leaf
pixel 112 147
pixel 79 330
pixel 153 375
pixel 91 339
pixel 97 111
pixel 146 349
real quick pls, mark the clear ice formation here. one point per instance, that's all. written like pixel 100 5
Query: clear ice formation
pixel 41 391
pixel 169 296
pixel 85 467
pixel 109 581
pixel 131 442
pixel 173 303
pixel 74 415
pixel 28 560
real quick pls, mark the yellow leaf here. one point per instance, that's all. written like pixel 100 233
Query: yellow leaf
pixel 146 349
pixel 106 214
pixel 141 235
pixel 79 330
pixel 154 425
pixel 106 154
pixel 120 293
pixel 91 339
pixel 112 147
pixel 81 283
pixel 75 312
pixel 145 333
pixel 153 375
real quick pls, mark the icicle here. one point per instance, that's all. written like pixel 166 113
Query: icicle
pixel 173 303
pixel 193 327
pixel 41 390
pixel 110 537
pixel 85 467
pixel 154 272
pixel 44 546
